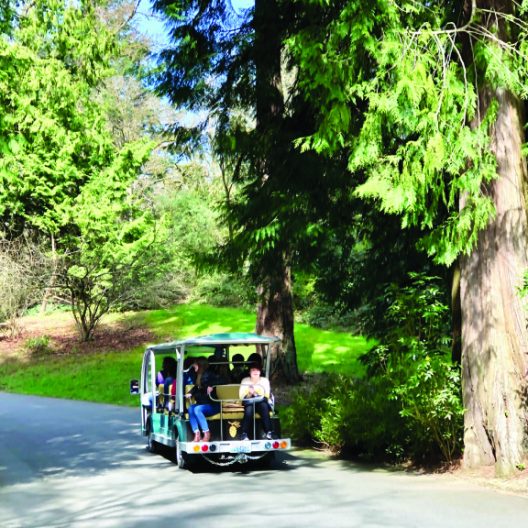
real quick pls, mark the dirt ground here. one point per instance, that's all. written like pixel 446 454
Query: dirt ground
pixel 64 339
pixel 517 484
pixel 123 335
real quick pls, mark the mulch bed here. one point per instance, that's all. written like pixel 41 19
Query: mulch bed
pixel 64 338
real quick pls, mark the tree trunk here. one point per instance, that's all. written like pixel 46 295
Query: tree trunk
pixel 275 318
pixel 456 316
pixel 494 335
pixel 53 279
pixel 275 308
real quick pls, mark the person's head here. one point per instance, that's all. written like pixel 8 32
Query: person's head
pixel 255 370
pixel 219 351
pixel 255 358
pixel 188 362
pixel 237 359
pixel 200 366
pixel 223 371
pixel 169 366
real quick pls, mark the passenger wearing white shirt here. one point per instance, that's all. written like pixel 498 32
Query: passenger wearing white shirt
pixel 255 393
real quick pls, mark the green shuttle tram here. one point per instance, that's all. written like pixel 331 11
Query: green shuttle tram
pixel 164 415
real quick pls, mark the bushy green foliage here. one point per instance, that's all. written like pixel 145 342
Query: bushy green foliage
pixel 224 289
pixel 116 244
pixel 346 414
pixel 415 362
pixel 39 346
pixel 395 88
pixel 63 177
pixel 409 403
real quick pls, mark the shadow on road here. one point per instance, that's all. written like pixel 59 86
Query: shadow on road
pixel 45 437
pixel 42 437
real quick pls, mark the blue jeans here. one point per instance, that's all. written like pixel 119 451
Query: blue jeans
pixel 197 414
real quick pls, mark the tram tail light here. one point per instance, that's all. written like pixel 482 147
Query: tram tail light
pixel 275 445
pixel 284 444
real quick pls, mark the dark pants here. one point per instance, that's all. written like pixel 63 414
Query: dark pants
pixel 262 407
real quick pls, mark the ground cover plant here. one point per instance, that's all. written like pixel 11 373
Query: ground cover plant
pixel 51 361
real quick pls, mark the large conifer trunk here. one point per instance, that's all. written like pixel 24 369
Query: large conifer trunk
pixel 275 298
pixel 494 336
pixel 275 318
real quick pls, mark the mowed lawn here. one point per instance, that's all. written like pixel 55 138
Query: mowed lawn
pixel 104 376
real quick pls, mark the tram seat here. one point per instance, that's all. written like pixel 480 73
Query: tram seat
pixel 232 407
pixel 163 398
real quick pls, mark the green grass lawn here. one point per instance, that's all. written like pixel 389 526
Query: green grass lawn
pixel 104 377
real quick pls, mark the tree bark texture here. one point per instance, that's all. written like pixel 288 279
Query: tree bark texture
pixel 275 298
pixel 275 318
pixel 494 335
pixel 456 316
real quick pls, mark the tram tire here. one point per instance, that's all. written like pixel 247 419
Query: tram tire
pixel 152 445
pixel 181 457
pixel 267 461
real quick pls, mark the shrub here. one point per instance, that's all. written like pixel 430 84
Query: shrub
pixel 23 270
pixel 341 413
pixel 328 316
pixel 222 289
pixel 414 364
pixel 409 404
pixel 39 346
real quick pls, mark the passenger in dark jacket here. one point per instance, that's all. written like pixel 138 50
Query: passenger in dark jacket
pixel 206 380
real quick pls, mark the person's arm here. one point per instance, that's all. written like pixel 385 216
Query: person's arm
pixel 244 391
pixel 265 384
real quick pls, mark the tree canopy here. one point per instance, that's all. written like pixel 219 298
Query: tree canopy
pixel 375 150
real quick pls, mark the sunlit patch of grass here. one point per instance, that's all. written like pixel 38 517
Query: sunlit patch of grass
pixel 328 351
pixel 191 320
pixel 104 377
pixel 96 377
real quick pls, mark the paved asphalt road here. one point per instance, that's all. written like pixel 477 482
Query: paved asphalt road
pixel 76 464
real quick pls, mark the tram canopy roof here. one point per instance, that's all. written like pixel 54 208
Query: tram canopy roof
pixel 227 339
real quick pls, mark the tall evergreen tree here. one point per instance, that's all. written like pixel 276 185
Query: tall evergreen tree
pixel 226 61
pixel 438 141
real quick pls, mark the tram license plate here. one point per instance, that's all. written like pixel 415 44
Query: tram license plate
pixel 244 447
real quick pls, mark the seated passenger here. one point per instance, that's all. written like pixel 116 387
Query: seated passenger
pixel 169 382
pixel 223 374
pixel 189 372
pixel 239 370
pixel 255 359
pixel 206 380
pixel 255 393
pixel 168 370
